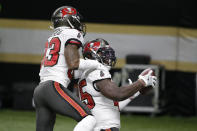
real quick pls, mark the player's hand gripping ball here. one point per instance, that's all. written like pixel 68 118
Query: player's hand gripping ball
pixel 150 80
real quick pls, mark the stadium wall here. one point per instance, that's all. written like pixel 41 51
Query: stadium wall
pixel 173 47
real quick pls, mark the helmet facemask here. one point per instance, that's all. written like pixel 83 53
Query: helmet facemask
pixel 107 56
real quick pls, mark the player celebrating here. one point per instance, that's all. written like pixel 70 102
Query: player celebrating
pixel 99 93
pixel 61 56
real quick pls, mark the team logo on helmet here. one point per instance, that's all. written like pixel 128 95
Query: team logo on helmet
pixel 68 11
pixel 95 46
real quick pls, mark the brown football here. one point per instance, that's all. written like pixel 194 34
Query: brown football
pixel 147 71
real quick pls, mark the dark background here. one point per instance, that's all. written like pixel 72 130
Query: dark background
pixel 179 94
pixel 138 12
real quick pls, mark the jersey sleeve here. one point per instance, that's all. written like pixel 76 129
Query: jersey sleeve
pixel 98 75
pixel 74 38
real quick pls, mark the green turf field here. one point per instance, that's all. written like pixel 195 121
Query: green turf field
pixel 12 120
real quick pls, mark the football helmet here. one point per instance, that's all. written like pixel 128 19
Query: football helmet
pixel 68 16
pixel 100 50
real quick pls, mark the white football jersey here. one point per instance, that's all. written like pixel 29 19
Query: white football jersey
pixel 53 65
pixel 106 111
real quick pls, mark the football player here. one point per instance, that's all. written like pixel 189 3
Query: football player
pixel 61 57
pixel 98 91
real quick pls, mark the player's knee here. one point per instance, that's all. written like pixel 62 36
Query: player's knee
pixel 86 124
pixel 90 119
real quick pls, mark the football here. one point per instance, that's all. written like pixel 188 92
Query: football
pixel 147 71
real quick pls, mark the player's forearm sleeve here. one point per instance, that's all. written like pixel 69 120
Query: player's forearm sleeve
pixel 88 64
pixel 124 103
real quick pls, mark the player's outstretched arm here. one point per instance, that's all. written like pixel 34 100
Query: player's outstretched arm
pixel 110 90
pixel 73 60
pixel 124 103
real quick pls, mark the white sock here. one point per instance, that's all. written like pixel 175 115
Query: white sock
pixel 86 124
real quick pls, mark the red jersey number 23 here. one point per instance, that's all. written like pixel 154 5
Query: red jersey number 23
pixel 52 50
